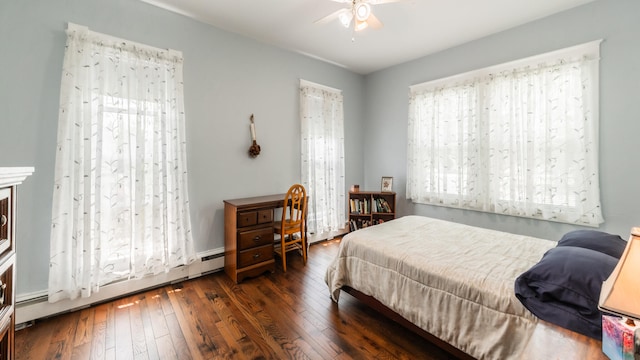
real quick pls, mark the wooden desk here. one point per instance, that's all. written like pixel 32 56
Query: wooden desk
pixel 248 235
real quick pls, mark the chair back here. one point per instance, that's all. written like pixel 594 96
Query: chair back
pixel 295 206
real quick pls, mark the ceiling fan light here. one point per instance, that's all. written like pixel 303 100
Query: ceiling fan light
pixel 361 25
pixel 362 11
pixel 345 19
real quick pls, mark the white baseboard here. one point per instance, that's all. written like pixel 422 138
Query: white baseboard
pixel 34 306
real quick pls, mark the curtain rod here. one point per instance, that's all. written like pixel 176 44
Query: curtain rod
pixel 81 28
pixel 591 47
pixel 323 87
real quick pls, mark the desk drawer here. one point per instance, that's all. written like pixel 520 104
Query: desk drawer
pixel 265 216
pixel 6 287
pixel 248 218
pixel 255 255
pixel 253 238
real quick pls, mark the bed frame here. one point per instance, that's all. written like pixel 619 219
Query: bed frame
pixel 570 345
pixel 382 309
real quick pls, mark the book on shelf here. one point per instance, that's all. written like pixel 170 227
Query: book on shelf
pixel 356 224
pixel 382 206
pixel 386 206
pixel 359 206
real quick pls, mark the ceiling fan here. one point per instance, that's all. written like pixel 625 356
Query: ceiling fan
pixel 359 12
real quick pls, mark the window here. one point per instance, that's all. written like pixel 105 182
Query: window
pixel 322 156
pixel 120 199
pixel 517 139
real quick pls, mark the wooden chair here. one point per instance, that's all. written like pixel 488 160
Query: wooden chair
pixel 294 212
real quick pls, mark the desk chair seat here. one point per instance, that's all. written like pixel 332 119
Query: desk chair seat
pixel 294 212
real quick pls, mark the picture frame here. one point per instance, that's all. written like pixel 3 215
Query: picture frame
pixel 387 184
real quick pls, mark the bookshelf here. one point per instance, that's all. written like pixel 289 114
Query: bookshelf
pixel 367 208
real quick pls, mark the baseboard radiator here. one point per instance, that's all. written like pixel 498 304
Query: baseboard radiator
pixel 33 306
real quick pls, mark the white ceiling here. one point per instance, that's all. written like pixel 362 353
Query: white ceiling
pixel 412 28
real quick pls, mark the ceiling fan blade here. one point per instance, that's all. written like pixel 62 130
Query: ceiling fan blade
pixel 360 25
pixel 334 15
pixel 374 22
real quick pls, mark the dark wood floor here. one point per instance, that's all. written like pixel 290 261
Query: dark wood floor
pixel 276 316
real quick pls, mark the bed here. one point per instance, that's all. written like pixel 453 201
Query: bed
pixel 454 285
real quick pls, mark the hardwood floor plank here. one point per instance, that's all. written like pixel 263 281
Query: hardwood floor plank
pixel 234 348
pixel 65 328
pixel 178 339
pixel 98 348
pixel 58 350
pixel 156 313
pixel 274 316
pixel 232 330
pixel 61 345
pixel 226 316
pixel 289 317
pixel 138 337
pixel 111 354
pixel 84 329
pixel 122 326
pixel 279 317
pixel 204 334
pixel 147 328
pixel 252 320
pixel 32 343
pixel 110 330
pixel 163 299
pixel 82 351
pixel 165 348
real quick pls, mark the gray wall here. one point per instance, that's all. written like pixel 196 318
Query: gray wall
pixel 227 78
pixel 615 21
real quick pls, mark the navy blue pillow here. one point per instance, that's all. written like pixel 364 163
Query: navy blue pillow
pixel 563 288
pixel 595 240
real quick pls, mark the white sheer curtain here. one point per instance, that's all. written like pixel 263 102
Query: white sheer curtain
pixel 322 126
pixel 521 141
pixel 120 203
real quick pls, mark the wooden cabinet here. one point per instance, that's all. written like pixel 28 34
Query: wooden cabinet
pixel 368 208
pixel 248 236
pixel 9 179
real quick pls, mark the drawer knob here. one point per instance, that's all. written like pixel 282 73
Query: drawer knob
pixel 256 256
pixel 257 238
pixel 3 220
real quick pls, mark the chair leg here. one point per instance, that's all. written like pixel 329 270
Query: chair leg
pixel 304 247
pixel 283 254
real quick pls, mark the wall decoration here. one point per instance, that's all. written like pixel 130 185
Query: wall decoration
pixel 387 184
pixel 254 150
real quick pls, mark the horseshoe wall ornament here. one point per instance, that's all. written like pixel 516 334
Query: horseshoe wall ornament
pixel 254 150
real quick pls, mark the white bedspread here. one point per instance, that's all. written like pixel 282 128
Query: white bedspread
pixel 452 280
